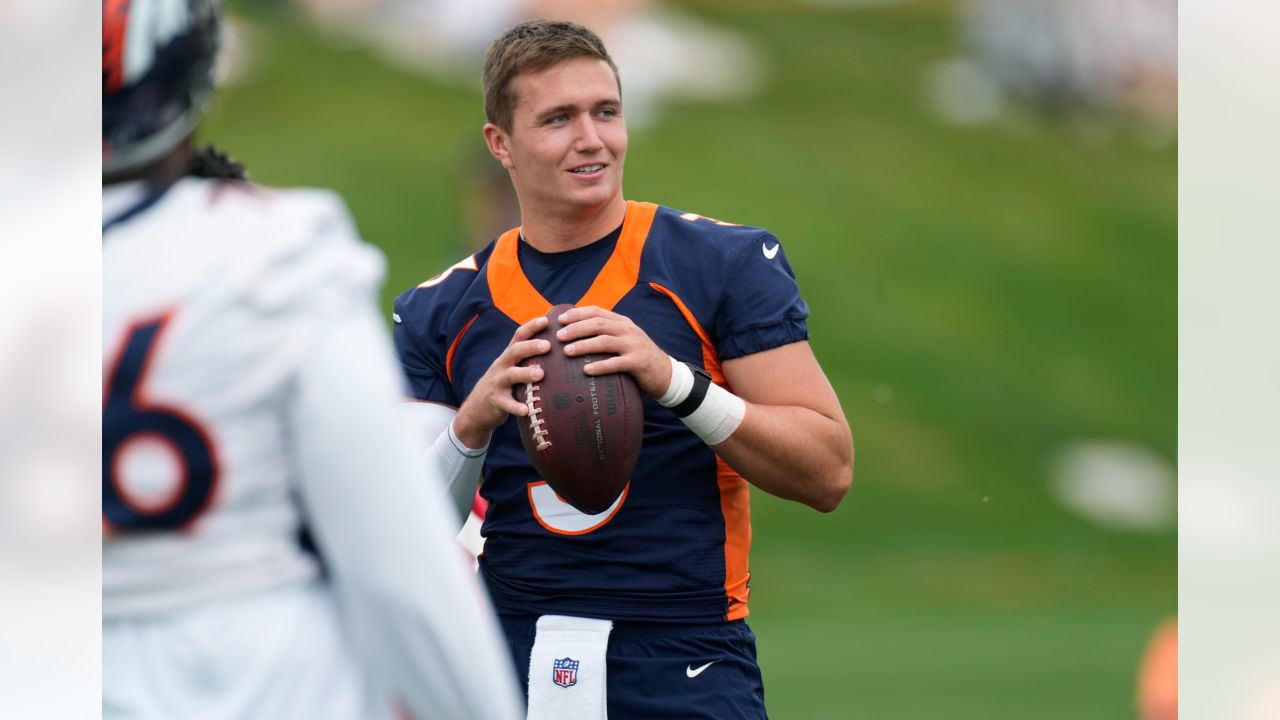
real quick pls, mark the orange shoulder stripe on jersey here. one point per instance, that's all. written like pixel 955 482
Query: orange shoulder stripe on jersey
pixel 114 14
pixel 621 272
pixel 453 347
pixel 516 297
pixel 735 497
pixel 512 293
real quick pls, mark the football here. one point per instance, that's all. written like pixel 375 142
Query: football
pixel 582 433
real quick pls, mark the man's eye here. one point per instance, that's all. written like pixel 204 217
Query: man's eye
pixel 609 112
pixel 558 118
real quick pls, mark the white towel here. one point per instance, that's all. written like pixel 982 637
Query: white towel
pixel 566 669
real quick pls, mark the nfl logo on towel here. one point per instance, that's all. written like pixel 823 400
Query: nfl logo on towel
pixel 565 672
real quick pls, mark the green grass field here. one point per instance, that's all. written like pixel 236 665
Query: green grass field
pixel 1014 288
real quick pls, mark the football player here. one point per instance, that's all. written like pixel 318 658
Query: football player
pixel 250 391
pixel 638 611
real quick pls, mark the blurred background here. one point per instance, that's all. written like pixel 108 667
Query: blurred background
pixel 979 199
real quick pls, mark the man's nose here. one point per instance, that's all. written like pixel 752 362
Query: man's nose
pixel 587 140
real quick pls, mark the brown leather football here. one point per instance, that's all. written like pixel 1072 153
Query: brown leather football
pixel 583 433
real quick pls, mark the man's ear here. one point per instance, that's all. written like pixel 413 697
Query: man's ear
pixel 499 145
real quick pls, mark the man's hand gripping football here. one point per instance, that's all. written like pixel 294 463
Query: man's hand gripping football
pixel 491 401
pixel 595 330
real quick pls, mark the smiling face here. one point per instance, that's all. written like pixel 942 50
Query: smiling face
pixel 567 141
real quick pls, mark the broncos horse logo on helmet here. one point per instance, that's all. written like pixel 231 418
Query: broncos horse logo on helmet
pixel 157 76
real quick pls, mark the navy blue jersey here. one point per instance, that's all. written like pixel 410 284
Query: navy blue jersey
pixel 674 546
pixel 661 670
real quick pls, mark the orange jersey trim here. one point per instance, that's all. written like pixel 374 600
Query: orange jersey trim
pixel 512 293
pixel 735 505
pixel 735 497
pixel 622 499
pixel 515 296
pixel 466 263
pixel 453 347
pixel 621 272
pixel 710 360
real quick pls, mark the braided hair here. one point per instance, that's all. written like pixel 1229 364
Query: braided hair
pixel 210 162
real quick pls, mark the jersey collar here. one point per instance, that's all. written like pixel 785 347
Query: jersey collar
pixel 124 201
pixel 515 296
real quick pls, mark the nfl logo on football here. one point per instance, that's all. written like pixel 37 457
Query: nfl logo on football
pixel 565 672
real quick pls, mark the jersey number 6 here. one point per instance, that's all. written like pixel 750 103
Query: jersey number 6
pixel 130 419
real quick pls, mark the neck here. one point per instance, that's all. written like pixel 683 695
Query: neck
pixel 551 233
pixel 168 169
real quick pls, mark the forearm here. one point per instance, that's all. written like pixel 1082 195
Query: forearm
pixel 792 452
pixel 471 432
pixel 786 449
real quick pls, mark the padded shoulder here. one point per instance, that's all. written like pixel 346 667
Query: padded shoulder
pixel 427 319
pixel 711 239
pixel 260 272
pixel 433 307
pixel 735 280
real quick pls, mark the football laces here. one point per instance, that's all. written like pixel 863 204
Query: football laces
pixel 536 423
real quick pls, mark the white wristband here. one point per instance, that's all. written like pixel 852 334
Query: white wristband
pixel 720 413
pixel 681 384
pixel 716 417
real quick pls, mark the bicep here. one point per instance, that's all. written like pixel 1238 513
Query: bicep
pixel 788 375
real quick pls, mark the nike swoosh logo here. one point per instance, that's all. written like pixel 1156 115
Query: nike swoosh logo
pixel 695 673
pixel 770 252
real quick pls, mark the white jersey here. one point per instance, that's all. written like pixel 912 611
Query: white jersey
pixel 249 390
pixel 212 295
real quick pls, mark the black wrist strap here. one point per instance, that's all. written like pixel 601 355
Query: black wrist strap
pixel 701 381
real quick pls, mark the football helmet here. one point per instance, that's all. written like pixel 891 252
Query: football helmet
pixel 157 76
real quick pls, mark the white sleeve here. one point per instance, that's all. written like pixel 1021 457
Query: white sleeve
pixel 447 458
pixel 421 618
